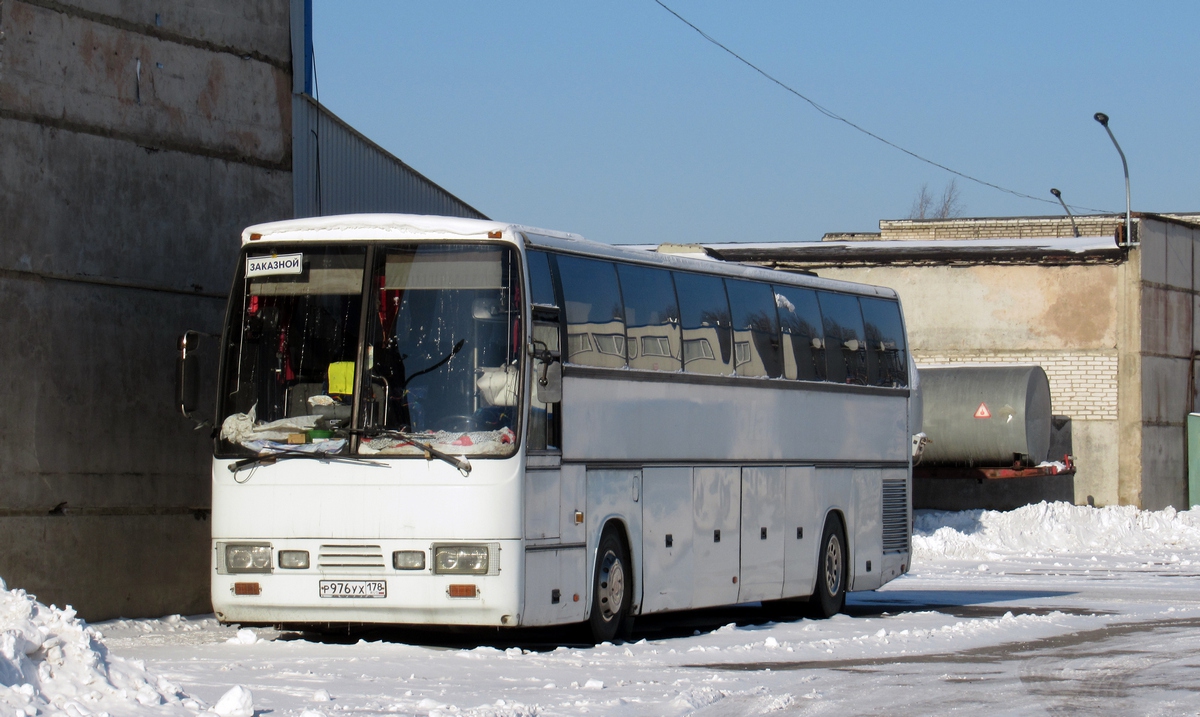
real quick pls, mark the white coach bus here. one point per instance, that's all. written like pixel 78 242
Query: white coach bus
pixel 428 420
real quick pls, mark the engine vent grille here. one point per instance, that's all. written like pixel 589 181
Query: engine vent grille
pixel 351 557
pixel 895 515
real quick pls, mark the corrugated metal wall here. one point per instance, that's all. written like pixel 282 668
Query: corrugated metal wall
pixel 336 170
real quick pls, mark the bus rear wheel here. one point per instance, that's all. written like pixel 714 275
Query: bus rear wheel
pixel 829 596
pixel 611 588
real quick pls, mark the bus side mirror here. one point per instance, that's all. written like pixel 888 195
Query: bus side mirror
pixel 187 374
pixel 549 384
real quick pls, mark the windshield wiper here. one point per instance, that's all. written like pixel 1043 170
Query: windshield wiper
pixel 459 462
pixel 285 454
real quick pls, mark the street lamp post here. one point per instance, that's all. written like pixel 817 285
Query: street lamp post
pixel 1058 195
pixel 1103 120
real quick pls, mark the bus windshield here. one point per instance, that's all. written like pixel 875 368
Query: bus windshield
pixel 440 364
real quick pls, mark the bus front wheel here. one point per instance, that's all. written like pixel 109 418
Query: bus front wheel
pixel 611 588
pixel 829 596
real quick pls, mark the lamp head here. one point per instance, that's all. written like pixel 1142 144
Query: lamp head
pixel 1101 118
pixel 1057 194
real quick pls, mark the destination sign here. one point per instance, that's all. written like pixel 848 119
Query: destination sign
pixel 272 265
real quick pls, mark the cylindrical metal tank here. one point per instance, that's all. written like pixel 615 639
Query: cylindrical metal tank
pixel 986 415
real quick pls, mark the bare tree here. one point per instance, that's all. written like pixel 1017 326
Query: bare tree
pixel 951 204
pixel 948 207
pixel 922 205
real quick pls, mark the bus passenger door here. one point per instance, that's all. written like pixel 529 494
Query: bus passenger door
pixel 762 534
pixel 667 539
pixel 556 579
pixel 716 507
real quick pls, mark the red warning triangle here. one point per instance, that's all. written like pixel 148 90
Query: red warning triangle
pixel 982 411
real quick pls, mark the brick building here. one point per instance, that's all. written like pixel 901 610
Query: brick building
pixel 1114 328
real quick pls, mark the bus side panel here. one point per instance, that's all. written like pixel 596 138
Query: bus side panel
pixel 834 488
pixel 542 498
pixel 622 420
pixel 866 551
pixel 717 507
pixel 899 520
pixel 548 571
pixel 542 578
pixel 667 539
pixel 614 494
pixel 572 501
pixel 762 534
pixel 574 563
pixel 802 531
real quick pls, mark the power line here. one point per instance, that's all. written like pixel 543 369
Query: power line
pixel 835 116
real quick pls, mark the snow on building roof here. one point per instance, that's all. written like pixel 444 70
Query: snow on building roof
pixel 1067 249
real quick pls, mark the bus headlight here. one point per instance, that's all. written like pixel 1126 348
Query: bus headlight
pixel 247 558
pixel 460 559
pixel 408 560
pixel 293 559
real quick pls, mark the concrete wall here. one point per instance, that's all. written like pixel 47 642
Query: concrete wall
pixel 1169 279
pixel 121 199
pixel 1063 318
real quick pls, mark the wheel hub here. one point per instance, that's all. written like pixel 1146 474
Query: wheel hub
pixel 833 566
pixel 612 585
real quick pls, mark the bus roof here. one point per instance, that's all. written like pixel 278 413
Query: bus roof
pixel 365 227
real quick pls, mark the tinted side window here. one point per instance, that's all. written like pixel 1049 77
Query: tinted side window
pixel 704 314
pixel 756 349
pixel 803 334
pixel 595 326
pixel 651 318
pixel 541 289
pixel 887 355
pixel 845 350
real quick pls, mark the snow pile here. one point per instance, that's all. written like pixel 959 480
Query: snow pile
pixel 1053 528
pixel 53 663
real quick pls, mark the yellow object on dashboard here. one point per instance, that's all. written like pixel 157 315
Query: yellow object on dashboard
pixel 341 378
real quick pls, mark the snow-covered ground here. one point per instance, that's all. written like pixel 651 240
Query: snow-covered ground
pixel 1047 609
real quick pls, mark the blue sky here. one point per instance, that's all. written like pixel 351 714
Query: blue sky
pixel 615 120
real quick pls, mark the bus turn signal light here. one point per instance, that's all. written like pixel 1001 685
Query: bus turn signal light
pixel 462 591
pixel 247 589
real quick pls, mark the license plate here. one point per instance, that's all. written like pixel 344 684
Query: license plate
pixel 353 588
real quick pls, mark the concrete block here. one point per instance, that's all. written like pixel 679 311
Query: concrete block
pixel 1164 476
pixel 1164 389
pixel 80 204
pixel 78 73
pixel 1153 249
pixel 88 416
pixel 1180 245
pixel 1196 323
pixel 110 566
pixel 1166 321
pixel 1196 259
pixel 237 27
pixel 1096 448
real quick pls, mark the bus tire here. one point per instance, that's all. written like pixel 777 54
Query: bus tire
pixel 829 594
pixel 611 588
